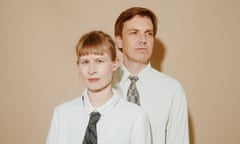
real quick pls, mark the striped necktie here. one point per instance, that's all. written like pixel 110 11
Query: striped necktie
pixel 91 131
pixel 132 94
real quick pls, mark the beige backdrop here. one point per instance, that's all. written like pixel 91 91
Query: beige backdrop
pixel 198 43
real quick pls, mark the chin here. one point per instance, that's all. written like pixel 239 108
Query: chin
pixel 143 60
pixel 97 89
pixel 94 89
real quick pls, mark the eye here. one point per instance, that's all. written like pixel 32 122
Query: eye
pixel 83 62
pixel 99 60
pixel 150 33
pixel 133 32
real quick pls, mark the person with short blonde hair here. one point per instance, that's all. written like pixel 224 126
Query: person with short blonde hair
pixel 99 115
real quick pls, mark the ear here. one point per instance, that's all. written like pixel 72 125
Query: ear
pixel 118 41
pixel 116 64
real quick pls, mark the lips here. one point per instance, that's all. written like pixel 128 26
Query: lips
pixel 93 79
pixel 141 49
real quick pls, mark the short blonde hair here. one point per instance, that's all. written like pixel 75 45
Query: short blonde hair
pixel 96 42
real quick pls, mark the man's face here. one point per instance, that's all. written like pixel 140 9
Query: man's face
pixel 137 40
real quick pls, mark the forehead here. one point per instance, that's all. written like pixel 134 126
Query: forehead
pixel 139 22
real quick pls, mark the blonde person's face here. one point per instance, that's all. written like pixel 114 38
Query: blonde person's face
pixel 137 39
pixel 97 71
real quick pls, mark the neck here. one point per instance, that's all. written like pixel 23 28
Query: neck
pixel 98 98
pixel 133 67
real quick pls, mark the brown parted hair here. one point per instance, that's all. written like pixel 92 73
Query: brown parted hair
pixel 129 14
pixel 97 43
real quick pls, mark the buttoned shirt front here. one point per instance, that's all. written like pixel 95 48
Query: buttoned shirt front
pixel 121 122
pixel 164 100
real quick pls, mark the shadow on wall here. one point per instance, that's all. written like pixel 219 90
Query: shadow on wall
pixel 158 54
pixel 191 129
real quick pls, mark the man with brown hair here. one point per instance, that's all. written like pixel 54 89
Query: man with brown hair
pixel 160 95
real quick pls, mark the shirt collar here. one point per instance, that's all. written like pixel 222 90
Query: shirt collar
pixel 141 75
pixel 102 109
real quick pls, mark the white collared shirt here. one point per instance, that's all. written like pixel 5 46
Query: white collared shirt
pixel 164 100
pixel 121 122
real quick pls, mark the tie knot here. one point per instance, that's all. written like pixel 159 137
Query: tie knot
pixel 94 117
pixel 133 78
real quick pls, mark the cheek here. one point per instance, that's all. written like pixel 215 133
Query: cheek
pixel 128 40
pixel 128 45
pixel 151 41
pixel 151 47
pixel 108 70
pixel 82 73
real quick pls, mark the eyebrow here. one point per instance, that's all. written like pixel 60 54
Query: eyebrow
pixel 134 29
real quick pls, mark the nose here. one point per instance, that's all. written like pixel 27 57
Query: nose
pixel 92 68
pixel 142 38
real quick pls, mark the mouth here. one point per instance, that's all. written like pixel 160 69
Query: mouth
pixel 93 80
pixel 141 49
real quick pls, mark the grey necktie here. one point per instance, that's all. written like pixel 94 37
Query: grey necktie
pixel 132 94
pixel 91 131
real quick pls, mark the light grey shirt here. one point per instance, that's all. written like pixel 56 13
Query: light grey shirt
pixel 164 100
pixel 121 122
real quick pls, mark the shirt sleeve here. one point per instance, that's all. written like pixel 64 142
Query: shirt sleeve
pixel 52 134
pixel 141 130
pixel 177 128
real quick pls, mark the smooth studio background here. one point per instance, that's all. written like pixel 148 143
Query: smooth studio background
pixel 199 41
